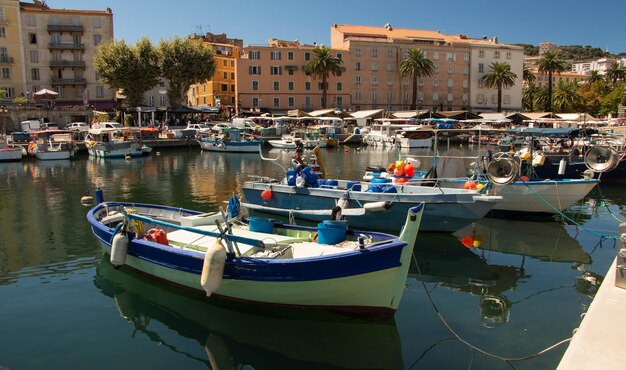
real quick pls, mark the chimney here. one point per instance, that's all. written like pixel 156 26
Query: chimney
pixel 388 27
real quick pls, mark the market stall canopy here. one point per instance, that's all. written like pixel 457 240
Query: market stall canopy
pixel 578 117
pixel 373 113
pixel 538 115
pixel 297 113
pixel 45 94
pixel 458 114
pixel 182 109
pixel 417 114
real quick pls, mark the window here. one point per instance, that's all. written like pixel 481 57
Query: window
pixel 3 33
pixel 290 85
pixel 276 85
pixel 450 82
pixel 56 56
pixel 389 53
pixel 78 92
pixel 339 102
pixel 100 92
pixel 32 38
pixel 97 39
pixel 374 96
pixel 232 87
pixel 232 63
pixel 339 86
pixel 225 74
pixel 10 92
pixel 291 101
pixel 54 19
pixel 31 21
pixel 320 85
pixel 405 96
pixel 466 70
pixel 290 72
pixel 405 81
pixel 435 82
pixel 481 68
pixel 307 102
pixel 204 86
pixel 480 98
pixel 465 84
pixel 420 96
pixel 224 63
pixel 255 102
pixel 436 70
pixel 435 96
pixel 307 85
pixel 276 102
pixel 389 67
pixel 450 97
pixel 60 90
pixel 494 98
pixel 450 57
pixel 75 21
pixel 508 55
pixel 481 53
pixel 339 56
pixel 374 80
pixel 389 96
pixel 77 39
pixel 450 69
pixel 6 73
pixel 34 73
pixel 290 55
pixel 435 55
pixel 275 55
pixel 97 22
pixel 55 38
pixel 465 98
pixel 389 80
pixel 357 80
pixel 496 54
pixel 357 66
pixel 232 75
pixel 357 95
pixel 466 57
pixel 162 99
pixel 254 55
pixel 255 85
pixel 276 70
pixel 307 56
pixel 374 52
pixel 481 82
pixel 374 66
pixel 357 52
pixel 254 70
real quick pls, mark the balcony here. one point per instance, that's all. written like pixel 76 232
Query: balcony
pixel 5 59
pixel 69 81
pixel 66 46
pixel 65 28
pixel 67 63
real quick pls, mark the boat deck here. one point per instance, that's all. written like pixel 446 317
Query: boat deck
pixel 598 342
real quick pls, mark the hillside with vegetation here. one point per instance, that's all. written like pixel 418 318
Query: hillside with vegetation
pixel 574 53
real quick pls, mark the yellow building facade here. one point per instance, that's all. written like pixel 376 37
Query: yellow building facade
pixel 11 64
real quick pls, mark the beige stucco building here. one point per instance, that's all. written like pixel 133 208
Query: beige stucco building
pixel 460 62
pixel 54 49
pixel 272 77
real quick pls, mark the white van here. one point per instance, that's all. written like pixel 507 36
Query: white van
pixel 107 125
pixel 31 125
pixel 242 123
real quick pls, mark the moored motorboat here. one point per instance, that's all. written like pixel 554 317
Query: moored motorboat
pixel 114 143
pixel 233 141
pixel 52 145
pixel 263 261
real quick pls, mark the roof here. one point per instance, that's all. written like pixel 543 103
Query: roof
pixel 533 116
pixel 458 114
pixel 366 113
pixel 576 116
pixel 411 113
pixel 321 112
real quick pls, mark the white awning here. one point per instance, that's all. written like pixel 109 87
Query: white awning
pixel 321 112
pixel 366 113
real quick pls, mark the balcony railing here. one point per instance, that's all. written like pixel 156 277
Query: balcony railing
pixel 65 28
pixel 66 46
pixel 69 81
pixel 67 63
pixel 6 59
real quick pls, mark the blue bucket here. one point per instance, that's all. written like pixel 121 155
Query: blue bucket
pixel 261 225
pixel 291 177
pixel 354 186
pixel 381 180
pixel 331 232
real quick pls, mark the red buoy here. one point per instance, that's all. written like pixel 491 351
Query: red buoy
pixel 469 185
pixel 266 194
pixel 467 241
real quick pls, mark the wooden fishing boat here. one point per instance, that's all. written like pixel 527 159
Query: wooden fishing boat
pixel 328 267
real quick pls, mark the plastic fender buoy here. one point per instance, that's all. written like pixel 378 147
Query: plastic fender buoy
pixel 398 172
pixel 469 185
pixel 119 250
pixel 524 178
pixel 477 241
pixel 266 194
pixel 87 200
pixel 409 170
pixel 391 167
pixel 213 267
pixel 467 241
pixel 399 164
pixel 480 186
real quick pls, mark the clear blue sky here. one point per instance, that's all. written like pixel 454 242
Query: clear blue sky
pixel 574 22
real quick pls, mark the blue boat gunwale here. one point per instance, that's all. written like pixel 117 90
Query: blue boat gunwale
pixel 383 255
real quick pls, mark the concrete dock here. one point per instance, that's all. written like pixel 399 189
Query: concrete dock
pixel 598 341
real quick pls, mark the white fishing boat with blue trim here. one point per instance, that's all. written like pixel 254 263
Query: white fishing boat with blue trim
pixel 232 140
pixel 329 267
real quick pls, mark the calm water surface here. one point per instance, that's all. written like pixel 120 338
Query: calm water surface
pixel 63 307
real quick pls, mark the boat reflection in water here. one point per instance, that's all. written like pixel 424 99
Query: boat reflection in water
pixel 444 261
pixel 236 335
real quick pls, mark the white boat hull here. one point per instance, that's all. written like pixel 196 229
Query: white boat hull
pixel 53 155
pixel 232 147
pixel 10 154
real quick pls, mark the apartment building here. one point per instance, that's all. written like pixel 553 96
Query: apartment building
pixel 55 50
pixel 272 77
pixel 221 89
pixel 542 79
pixel 11 64
pixel 601 65
pixel 460 62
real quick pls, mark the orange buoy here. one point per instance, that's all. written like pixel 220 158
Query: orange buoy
pixel 469 185
pixel 524 178
pixel 391 167
pixel 266 194
pixel 398 172
pixel 402 180
pixel 467 241
pixel 409 170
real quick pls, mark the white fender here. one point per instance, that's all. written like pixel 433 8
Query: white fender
pixel 213 267
pixel 119 249
pixel 376 206
pixel 343 203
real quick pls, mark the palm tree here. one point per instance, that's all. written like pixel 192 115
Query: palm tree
pixel 595 76
pixel 499 76
pixel 566 96
pixel 528 76
pixel 615 73
pixel 416 65
pixel 322 65
pixel 550 63
pixel 529 95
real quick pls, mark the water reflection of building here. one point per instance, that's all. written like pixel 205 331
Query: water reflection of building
pixel 238 336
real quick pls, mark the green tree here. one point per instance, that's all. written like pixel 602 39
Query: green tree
pixel 322 65
pixel 615 73
pixel 3 93
pixel 134 69
pixel 529 95
pixel 499 76
pixel 184 62
pixel 566 97
pixel 528 76
pixel 595 76
pixel 549 64
pixel 416 65
pixel 613 100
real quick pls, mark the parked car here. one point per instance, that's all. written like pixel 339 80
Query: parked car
pixel 200 128
pixel 107 125
pixel 77 126
pixel 220 127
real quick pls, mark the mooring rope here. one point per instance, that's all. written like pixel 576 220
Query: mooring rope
pixel 470 345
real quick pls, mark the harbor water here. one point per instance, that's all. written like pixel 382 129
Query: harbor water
pixel 509 287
